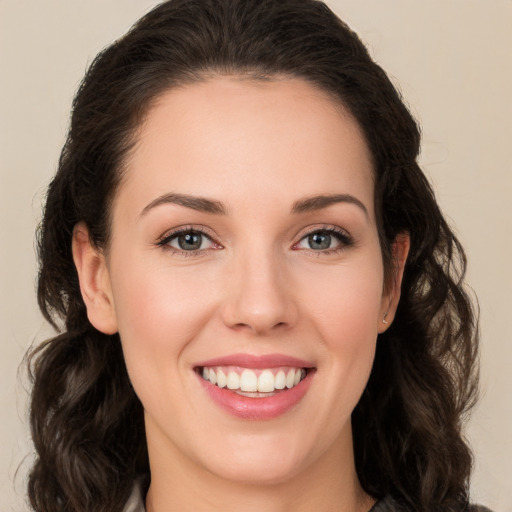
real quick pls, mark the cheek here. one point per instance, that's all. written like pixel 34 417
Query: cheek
pixel 158 313
pixel 346 310
pixel 345 301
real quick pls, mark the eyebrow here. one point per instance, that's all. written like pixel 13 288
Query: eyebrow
pixel 195 203
pixel 203 204
pixel 314 203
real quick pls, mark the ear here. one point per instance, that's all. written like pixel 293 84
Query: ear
pixel 390 298
pixel 94 281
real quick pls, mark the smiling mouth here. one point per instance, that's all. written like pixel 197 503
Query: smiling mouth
pixel 254 383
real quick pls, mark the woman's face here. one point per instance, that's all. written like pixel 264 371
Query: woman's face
pixel 244 249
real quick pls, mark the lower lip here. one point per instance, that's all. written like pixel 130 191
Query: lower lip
pixel 258 408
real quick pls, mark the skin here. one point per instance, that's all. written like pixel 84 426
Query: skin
pixel 256 286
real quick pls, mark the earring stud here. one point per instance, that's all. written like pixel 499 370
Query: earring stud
pixel 384 321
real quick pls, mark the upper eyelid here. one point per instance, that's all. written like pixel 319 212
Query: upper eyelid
pixel 164 242
pixel 170 233
pixel 322 227
pixel 344 238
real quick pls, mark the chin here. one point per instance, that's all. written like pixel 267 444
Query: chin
pixel 261 459
pixel 250 470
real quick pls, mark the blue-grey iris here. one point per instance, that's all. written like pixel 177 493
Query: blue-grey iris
pixel 190 241
pixel 319 241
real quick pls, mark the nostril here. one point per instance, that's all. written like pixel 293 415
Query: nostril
pixel 259 310
pixel 258 327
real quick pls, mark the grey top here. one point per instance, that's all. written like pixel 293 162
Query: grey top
pixel 136 504
pixel 390 505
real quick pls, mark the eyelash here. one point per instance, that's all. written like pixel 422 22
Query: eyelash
pixel 166 239
pixel 344 239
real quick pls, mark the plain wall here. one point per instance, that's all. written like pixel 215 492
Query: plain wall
pixel 452 61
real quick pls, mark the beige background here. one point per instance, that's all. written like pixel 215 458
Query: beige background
pixel 452 59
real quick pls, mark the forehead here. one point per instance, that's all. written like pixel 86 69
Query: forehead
pixel 236 139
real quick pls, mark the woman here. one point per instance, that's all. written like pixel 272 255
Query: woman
pixel 261 303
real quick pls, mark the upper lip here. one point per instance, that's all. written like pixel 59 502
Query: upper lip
pixel 257 361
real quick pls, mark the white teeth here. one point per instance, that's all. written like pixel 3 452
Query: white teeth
pixel 280 380
pixel 221 379
pixel 290 379
pixel 233 380
pixel 249 381
pixel 266 382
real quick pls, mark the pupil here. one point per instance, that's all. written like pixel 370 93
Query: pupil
pixel 190 241
pixel 319 241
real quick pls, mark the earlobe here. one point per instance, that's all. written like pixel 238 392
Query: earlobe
pixel 94 281
pixel 390 299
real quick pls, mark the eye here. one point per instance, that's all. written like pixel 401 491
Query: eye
pixel 324 240
pixel 188 240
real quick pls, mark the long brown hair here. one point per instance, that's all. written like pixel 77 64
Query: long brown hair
pixel 87 422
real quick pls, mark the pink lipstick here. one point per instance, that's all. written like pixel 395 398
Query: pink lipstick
pixel 256 387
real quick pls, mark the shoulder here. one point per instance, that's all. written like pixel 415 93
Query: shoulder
pixel 388 504
pixel 136 501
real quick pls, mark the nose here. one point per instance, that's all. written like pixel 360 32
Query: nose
pixel 259 295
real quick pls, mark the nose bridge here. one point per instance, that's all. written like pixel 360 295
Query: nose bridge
pixel 259 298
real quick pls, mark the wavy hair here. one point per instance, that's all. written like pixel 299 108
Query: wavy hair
pixel 87 423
